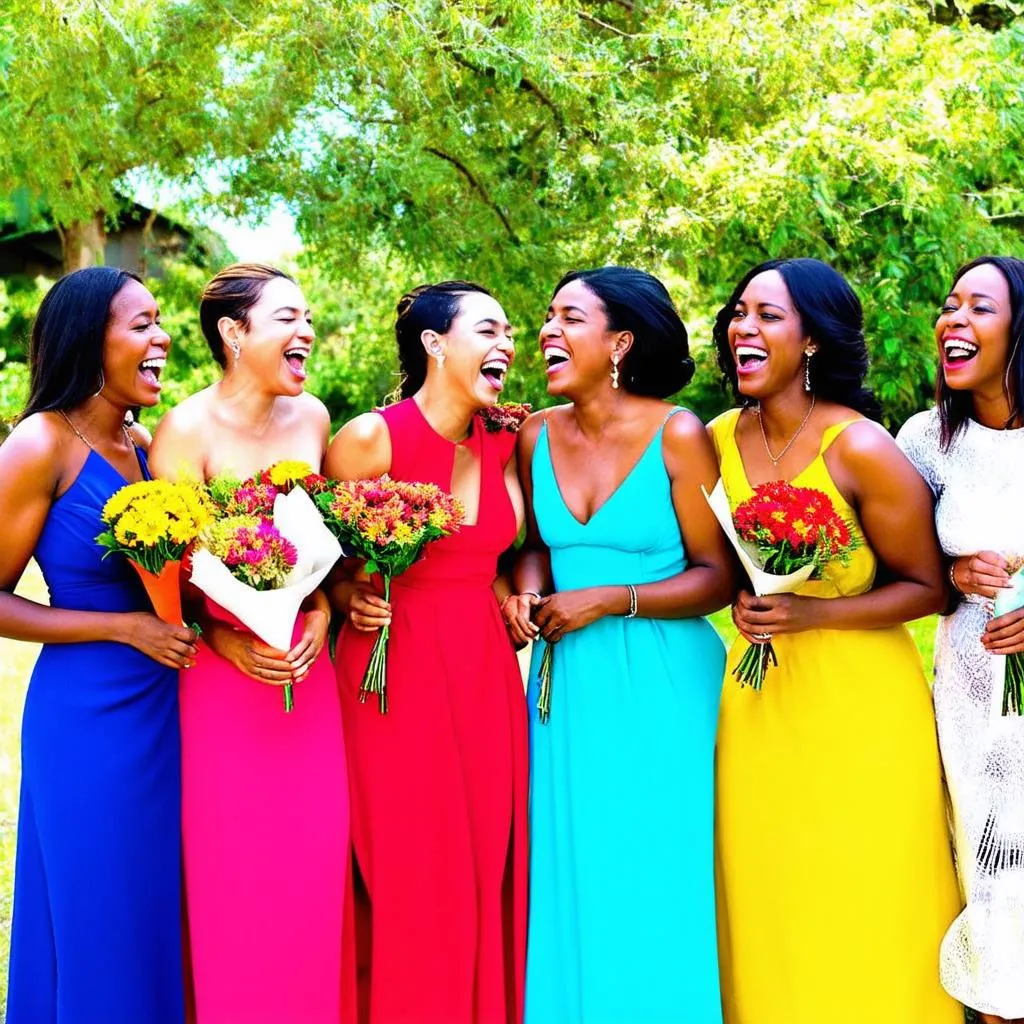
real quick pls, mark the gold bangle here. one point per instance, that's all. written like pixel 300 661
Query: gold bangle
pixel 952 578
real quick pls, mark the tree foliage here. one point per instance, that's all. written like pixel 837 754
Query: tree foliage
pixel 511 141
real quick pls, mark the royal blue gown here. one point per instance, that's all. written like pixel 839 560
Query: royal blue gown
pixel 96 935
pixel 622 898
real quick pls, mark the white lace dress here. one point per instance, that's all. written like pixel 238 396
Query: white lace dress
pixel 979 489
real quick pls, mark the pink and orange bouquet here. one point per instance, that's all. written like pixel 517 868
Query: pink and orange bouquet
pixel 267 552
pixel 388 523
pixel 784 536
pixel 507 417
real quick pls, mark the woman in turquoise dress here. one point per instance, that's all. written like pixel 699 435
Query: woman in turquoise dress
pixel 96 935
pixel 623 558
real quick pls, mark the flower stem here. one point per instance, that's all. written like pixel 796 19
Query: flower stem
pixel 375 679
pixel 544 697
pixel 289 701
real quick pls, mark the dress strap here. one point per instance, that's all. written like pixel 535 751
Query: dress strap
pixel 831 433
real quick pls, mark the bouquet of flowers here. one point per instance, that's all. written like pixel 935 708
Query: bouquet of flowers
pixel 152 523
pixel 388 523
pixel 261 564
pixel 1009 600
pixel 506 417
pixel 255 496
pixel 784 536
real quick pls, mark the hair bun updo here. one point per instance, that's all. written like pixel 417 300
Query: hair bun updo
pixel 658 363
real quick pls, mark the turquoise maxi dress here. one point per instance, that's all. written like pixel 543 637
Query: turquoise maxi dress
pixel 622 900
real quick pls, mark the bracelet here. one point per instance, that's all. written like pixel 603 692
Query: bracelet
pixel 952 578
pixel 631 614
pixel 532 593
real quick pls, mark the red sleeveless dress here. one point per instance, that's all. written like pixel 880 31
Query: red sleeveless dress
pixel 439 784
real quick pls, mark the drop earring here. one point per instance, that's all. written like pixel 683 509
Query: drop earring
pixel 807 372
pixel 615 370
pixel 103 384
pixel 236 350
pixel 439 359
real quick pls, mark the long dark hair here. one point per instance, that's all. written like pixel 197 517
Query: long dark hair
pixel 831 315
pixel 658 362
pixel 955 407
pixel 66 349
pixel 430 307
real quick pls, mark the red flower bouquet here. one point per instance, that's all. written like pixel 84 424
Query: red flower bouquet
pixel 784 535
pixel 388 523
pixel 507 417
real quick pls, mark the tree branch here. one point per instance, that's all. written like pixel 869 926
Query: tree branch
pixel 604 24
pixel 478 187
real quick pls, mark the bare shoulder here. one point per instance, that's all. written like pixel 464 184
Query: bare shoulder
pixel 189 417
pixel 310 407
pixel 361 448
pixel 33 449
pixel 682 430
pixel 866 444
pixel 529 431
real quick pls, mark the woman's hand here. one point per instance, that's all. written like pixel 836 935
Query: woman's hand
pixel 1005 634
pixel 249 655
pixel 173 646
pixel 758 618
pixel 314 636
pixel 518 611
pixel 984 573
pixel 570 610
pixel 365 608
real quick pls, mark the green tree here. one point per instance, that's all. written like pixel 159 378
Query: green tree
pixel 511 141
pixel 92 91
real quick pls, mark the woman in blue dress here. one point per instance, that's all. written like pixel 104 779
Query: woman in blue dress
pixel 623 558
pixel 96 934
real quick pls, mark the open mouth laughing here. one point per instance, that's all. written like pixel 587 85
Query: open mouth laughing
pixel 957 351
pixel 750 358
pixel 494 371
pixel 296 360
pixel 150 370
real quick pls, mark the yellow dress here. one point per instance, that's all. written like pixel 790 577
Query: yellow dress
pixel 835 878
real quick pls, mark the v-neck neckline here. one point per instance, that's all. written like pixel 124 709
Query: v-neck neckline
pixel 621 484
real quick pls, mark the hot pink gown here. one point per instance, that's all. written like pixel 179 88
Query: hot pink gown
pixel 265 828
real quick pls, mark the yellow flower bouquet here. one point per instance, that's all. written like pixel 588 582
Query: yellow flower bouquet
pixel 152 523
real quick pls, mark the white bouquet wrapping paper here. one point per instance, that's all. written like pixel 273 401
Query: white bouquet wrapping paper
pixel 271 614
pixel 764 583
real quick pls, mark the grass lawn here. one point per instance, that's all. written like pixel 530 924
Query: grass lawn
pixel 16 660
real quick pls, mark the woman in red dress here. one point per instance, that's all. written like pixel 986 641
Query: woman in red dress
pixel 439 783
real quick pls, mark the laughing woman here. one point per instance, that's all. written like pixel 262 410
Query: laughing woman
pixel 439 782
pixel 622 542
pixel 264 794
pixel 97 893
pixel 970 450
pixel 835 876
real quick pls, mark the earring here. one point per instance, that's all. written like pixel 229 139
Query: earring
pixel 103 384
pixel 807 371
pixel 439 359
pixel 236 349
pixel 615 370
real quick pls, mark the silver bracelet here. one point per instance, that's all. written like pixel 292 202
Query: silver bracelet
pixel 532 593
pixel 631 614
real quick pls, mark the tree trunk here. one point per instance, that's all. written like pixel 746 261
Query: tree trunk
pixel 83 242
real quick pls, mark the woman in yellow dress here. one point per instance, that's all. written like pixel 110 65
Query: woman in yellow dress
pixel 835 877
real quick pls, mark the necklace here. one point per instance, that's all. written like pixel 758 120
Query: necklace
pixel 776 459
pixel 88 444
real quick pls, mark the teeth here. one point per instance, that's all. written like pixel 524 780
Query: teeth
pixel 298 353
pixel 498 365
pixel 960 348
pixel 157 363
pixel 554 354
pixel 744 351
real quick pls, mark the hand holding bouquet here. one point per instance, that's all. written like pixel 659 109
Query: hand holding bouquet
pixel 784 536
pixel 266 554
pixel 151 523
pixel 1009 600
pixel 388 523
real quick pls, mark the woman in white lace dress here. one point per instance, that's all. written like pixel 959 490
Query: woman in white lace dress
pixel 970 450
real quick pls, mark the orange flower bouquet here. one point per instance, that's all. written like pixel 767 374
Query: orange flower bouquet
pixel 388 523
pixel 784 536
pixel 151 523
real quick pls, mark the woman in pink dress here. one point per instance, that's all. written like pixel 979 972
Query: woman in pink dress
pixel 265 819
